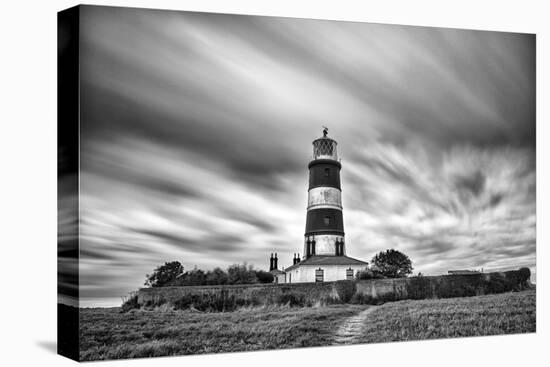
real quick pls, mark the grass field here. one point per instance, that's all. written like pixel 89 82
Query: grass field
pixel 507 313
pixel 109 334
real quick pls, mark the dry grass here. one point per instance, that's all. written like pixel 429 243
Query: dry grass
pixel 109 334
pixel 508 313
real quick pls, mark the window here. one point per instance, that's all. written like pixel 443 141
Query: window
pixel 339 244
pixel 319 275
pixel 349 274
pixel 327 172
pixel 327 220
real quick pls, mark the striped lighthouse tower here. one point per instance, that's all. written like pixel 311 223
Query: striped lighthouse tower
pixel 324 235
pixel 324 258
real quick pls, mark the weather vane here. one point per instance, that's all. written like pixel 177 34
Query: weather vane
pixel 325 131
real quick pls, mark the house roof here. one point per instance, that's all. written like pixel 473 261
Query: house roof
pixel 319 260
pixel 276 271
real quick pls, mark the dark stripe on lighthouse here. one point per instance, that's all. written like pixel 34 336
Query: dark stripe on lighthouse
pixel 324 173
pixel 324 220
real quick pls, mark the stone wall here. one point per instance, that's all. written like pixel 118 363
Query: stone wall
pixel 378 288
pixel 364 291
pixel 443 286
pixel 248 293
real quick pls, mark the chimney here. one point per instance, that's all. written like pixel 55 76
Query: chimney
pixel 275 261
pixel 294 260
pixel 271 263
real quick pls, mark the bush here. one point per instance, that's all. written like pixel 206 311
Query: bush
pixel 345 289
pixel 513 280
pixel 524 277
pixel 386 297
pixel 130 303
pixel 419 288
pixel 368 274
pixel 291 299
pixel 449 286
pixel 362 299
pixel 499 283
pixel 215 302
pixel 264 276
pixel 324 301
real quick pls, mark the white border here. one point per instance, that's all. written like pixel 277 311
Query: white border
pixel 29 224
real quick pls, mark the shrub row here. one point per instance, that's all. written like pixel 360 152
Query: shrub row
pixel 214 302
pixel 446 286
pixel 223 302
pixel 449 286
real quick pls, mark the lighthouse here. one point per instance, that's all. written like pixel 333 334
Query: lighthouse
pixel 324 233
pixel 324 257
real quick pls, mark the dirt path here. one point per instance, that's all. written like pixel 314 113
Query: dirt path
pixel 350 330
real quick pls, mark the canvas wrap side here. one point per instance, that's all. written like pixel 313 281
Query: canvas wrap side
pixel 67 174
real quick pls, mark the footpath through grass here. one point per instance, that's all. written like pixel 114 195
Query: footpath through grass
pixel 507 313
pixel 109 334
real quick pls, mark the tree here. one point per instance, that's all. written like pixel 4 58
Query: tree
pixel 164 274
pixel 392 264
pixel 171 274
pixel 193 277
pixel 241 274
pixel 216 277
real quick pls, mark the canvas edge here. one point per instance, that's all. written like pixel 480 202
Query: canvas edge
pixel 68 172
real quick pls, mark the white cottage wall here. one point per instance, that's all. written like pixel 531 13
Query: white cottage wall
pixel 331 273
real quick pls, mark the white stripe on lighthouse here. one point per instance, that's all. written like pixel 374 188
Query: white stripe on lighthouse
pixel 324 197
pixel 325 244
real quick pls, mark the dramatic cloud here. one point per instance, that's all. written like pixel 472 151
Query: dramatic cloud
pixel 197 129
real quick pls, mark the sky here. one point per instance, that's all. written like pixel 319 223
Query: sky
pixel 196 133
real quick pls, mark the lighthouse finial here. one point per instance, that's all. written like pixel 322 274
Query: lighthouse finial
pixel 325 131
